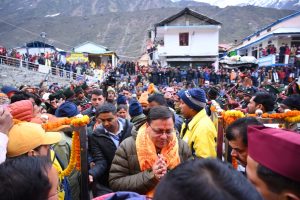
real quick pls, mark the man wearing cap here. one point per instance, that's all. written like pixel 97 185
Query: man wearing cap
pixel 198 130
pixel 143 100
pixel 138 118
pixel 81 100
pixel 248 93
pixel 273 163
pixel 111 95
pixel 68 108
pixel 9 90
pixel 30 139
pixel 86 89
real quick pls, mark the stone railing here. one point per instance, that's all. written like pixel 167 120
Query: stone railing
pixel 29 66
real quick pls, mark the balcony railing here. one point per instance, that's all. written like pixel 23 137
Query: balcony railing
pixel 53 70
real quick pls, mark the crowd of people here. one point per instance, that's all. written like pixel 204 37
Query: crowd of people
pixel 286 54
pixel 152 134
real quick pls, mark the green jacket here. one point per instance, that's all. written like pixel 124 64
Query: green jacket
pixel 138 121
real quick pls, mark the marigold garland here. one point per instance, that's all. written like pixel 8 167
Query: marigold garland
pixel 213 109
pixel 75 149
pixel 230 116
pixel 57 123
pixel 234 162
pixel 72 163
pixel 292 116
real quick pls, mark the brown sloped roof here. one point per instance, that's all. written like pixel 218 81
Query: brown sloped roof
pixel 189 12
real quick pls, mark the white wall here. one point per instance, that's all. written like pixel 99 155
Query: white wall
pixel 33 51
pixel 202 42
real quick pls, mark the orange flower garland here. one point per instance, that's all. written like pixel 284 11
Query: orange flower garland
pixel 151 88
pixel 213 109
pixel 75 149
pixel 230 116
pixel 292 116
pixel 234 162
pixel 72 163
pixel 57 123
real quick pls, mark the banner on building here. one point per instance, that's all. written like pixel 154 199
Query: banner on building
pixel 77 57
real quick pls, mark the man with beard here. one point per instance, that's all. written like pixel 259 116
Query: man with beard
pixel 236 134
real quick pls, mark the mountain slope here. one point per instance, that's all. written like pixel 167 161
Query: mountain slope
pixel 40 8
pixel 279 4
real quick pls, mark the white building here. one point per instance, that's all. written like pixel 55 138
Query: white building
pixel 283 31
pixel 97 53
pixel 187 38
pixel 36 48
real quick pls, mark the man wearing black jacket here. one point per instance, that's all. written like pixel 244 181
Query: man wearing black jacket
pixel 103 144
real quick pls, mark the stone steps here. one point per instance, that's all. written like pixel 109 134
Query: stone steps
pixel 16 76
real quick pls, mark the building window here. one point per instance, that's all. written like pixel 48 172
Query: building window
pixel 183 39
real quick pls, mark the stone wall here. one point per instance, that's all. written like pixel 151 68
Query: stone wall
pixel 16 76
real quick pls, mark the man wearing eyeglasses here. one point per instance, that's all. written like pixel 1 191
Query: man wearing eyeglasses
pixel 144 158
pixel 198 130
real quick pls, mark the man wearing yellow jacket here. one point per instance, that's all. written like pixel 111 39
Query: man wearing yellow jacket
pixel 198 130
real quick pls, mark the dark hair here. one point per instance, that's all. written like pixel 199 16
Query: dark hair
pixel 25 178
pixel 158 98
pixel 266 99
pixel 293 102
pixel 159 112
pixel 205 179
pixel 276 182
pixel 97 92
pixel 106 108
pixel 212 93
pixel 19 96
pixel 22 95
pixel 240 125
pixel 122 106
